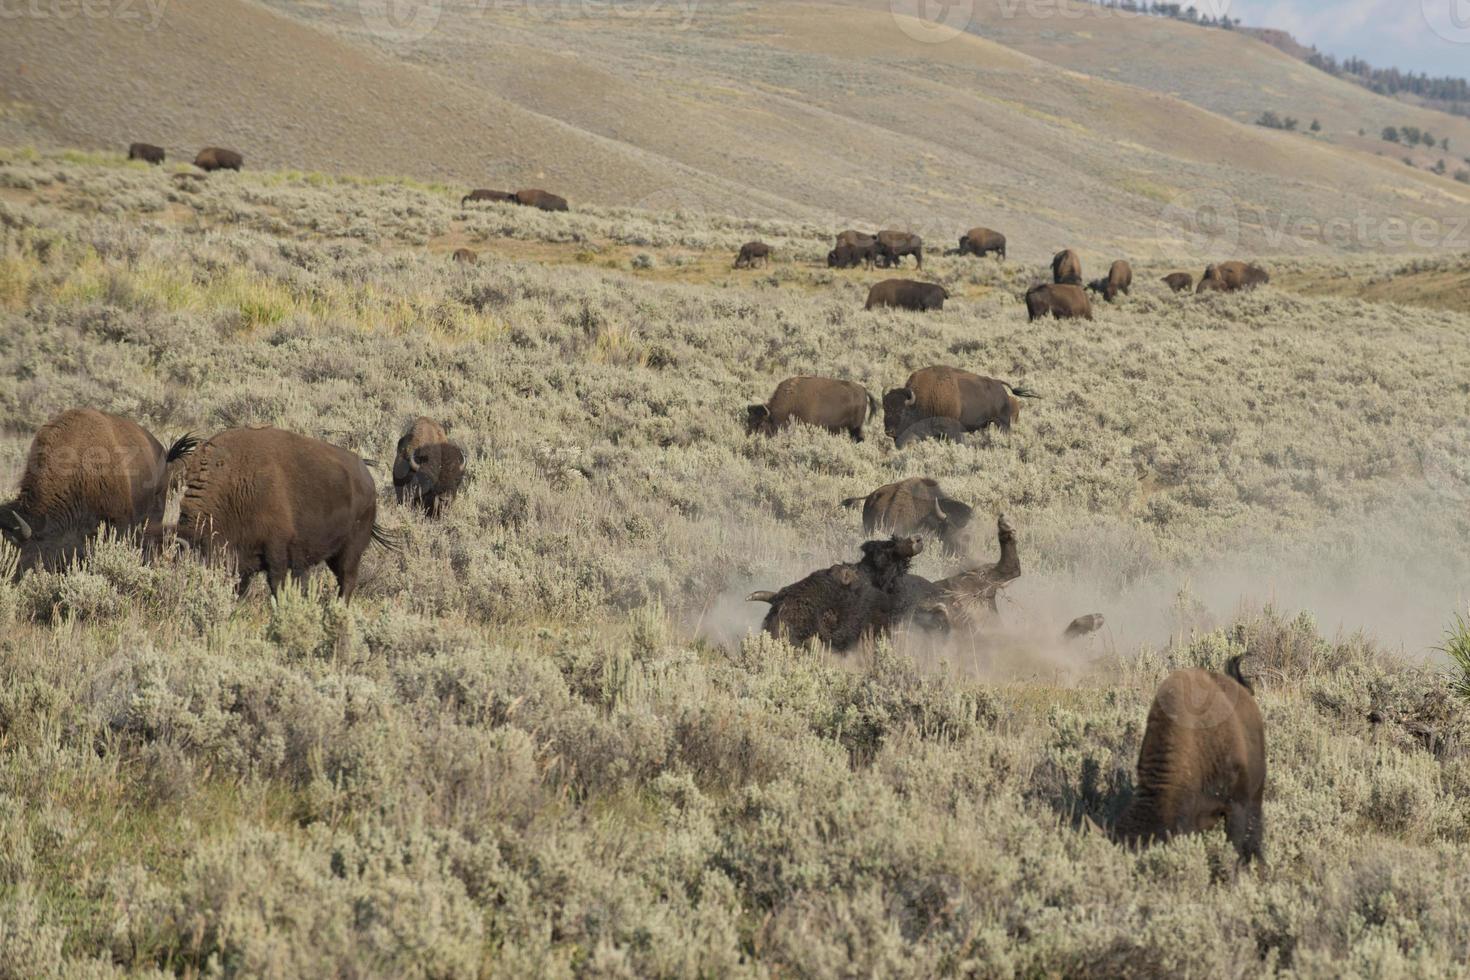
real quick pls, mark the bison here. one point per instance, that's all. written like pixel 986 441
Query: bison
pixel 981 242
pixel 274 501
pixel 1179 282
pixel 837 406
pixel 973 400
pixel 427 467
pixel 1210 284
pixel 545 200
pixel 966 601
pixel 218 158
pixel 1203 759
pixel 1119 280
pixel 1066 267
pixel 1083 626
pixel 484 194
pixel 751 251
pixel 1063 301
pixel 1236 275
pixel 854 238
pixel 894 245
pixel 466 256
pixel 146 152
pixel 945 430
pixel 86 469
pixel 850 256
pixel 914 506
pixel 907 294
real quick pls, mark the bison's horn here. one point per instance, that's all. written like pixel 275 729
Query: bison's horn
pixel 761 597
pixel 413 462
pixel 911 398
pixel 20 527
pixel 939 513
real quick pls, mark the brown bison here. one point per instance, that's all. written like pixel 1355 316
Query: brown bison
pixel 146 152
pixel 854 238
pixel 850 256
pixel 844 604
pixel 466 256
pixel 484 194
pixel 1119 280
pixel 86 469
pixel 914 506
pixel 837 406
pixel 983 241
pixel 1063 301
pixel 1083 626
pixel 273 501
pixel 966 601
pixel 942 430
pixel 546 201
pixel 1066 267
pixel 1211 285
pixel 1236 275
pixel 751 251
pixel 1203 759
pixel 427 467
pixel 218 158
pixel 894 245
pixel 972 400
pixel 907 294
pixel 1179 282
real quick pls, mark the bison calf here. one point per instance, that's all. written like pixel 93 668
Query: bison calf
pixel 1119 280
pixel 218 158
pixel 907 294
pixel 1203 759
pixel 837 406
pixel 944 430
pixel 1179 282
pixel 751 251
pixel 427 467
pixel 1064 301
pixel 146 152
pixel 851 256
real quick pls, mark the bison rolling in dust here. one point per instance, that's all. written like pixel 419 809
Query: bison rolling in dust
pixel 837 406
pixel 981 242
pixel 86 469
pixel 273 501
pixel 915 506
pixel 973 400
pixel 545 200
pixel 465 256
pixel 1179 282
pixel 907 294
pixel 146 152
pixel 427 468
pixel 750 252
pixel 1203 759
pixel 218 158
pixel 1063 301
pixel 1066 267
pixel 485 194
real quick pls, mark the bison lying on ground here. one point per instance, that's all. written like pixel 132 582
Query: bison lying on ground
pixel 1083 626
pixel 851 256
pixel 146 152
pixel 536 198
pixel 86 469
pixel 966 601
pixel 484 194
pixel 751 251
pixel 1234 275
pixel 273 501
pixel 427 467
pixel 907 294
pixel 218 158
pixel 1179 281
pixel 894 245
pixel 943 430
pixel 465 255
pixel 1063 301
pixel 837 406
pixel 1066 267
pixel 914 506
pixel 1119 280
pixel 1203 759
pixel 973 400
pixel 983 241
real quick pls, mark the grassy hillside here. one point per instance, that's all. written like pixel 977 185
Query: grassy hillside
pixel 541 740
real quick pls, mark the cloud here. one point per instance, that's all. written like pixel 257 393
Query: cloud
pixel 1387 33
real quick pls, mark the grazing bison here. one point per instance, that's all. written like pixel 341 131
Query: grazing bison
pixel 1203 759
pixel 1179 282
pixel 914 506
pixel 1083 626
pixel 546 201
pixel 1236 275
pixel 837 406
pixel 907 294
pixel 1119 280
pixel 850 256
pixel 751 251
pixel 1066 267
pixel 945 430
pixel 484 194
pixel 466 256
pixel 854 238
pixel 972 400
pixel 983 241
pixel 86 469
pixel 273 501
pixel 1063 301
pixel 218 158
pixel 844 604
pixel 146 152
pixel 427 467
pixel 894 245
pixel 1210 284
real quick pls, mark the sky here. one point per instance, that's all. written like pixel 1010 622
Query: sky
pixel 1420 35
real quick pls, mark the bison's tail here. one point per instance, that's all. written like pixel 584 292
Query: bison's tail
pixel 761 597
pixel 392 540
pixel 1022 391
pixel 1232 670
pixel 183 446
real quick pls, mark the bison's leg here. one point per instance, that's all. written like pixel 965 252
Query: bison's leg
pixel 857 433
pixel 344 565
pixel 1246 828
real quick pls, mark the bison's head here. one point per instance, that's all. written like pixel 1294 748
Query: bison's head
pixel 832 259
pixel 885 562
pixel 898 409
pixel 758 420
